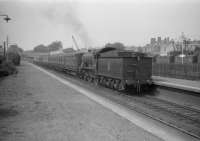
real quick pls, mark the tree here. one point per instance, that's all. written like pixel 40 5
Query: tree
pixel 140 49
pixel 116 45
pixel 175 53
pixel 68 50
pixel 40 48
pixel 197 50
pixel 54 46
pixel 15 49
pixel 21 50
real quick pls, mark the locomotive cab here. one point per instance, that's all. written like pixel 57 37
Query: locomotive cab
pixel 87 67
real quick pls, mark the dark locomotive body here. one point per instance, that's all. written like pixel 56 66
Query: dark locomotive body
pixel 120 69
pixel 88 66
pixel 117 69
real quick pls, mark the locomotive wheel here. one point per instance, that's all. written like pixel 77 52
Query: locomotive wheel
pixel 121 86
pixel 104 82
pixel 101 80
pixel 85 77
pixel 108 83
pixel 112 84
pixel 96 81
pixel 138 88
pixel 80 76
pixel 116 85
pixel 90 78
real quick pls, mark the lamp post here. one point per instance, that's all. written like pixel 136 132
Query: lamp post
pixel 6 18
pixel 183 39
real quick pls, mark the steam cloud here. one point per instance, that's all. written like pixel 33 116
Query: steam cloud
pixel 69 18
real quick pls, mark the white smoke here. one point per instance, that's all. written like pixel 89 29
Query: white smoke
pixel 65 14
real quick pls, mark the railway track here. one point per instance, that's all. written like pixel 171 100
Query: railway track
pixel 180 117
pixel 184 111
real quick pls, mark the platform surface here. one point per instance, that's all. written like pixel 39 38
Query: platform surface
pixel 36 107
pixel 188 85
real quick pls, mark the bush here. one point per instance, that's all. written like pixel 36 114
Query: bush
pixel 14 57
pixel 2 59
pixel 7 68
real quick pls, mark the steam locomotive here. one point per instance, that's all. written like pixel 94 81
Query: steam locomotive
pixel 110 67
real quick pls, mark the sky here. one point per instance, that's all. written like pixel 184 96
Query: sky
pixel 97 22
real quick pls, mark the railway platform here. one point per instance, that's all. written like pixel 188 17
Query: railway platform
pixel 188 85
pixel 36 104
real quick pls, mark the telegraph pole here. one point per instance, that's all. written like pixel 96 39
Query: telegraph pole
pixel 4 49
pixel 183 38
pixel 7 42
pixel 6 18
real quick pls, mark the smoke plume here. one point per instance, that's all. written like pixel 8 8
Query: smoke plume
pixel 66 15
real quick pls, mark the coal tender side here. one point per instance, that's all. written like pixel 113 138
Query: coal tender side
pixel 122 69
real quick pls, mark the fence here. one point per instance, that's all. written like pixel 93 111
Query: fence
pixel 181 71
